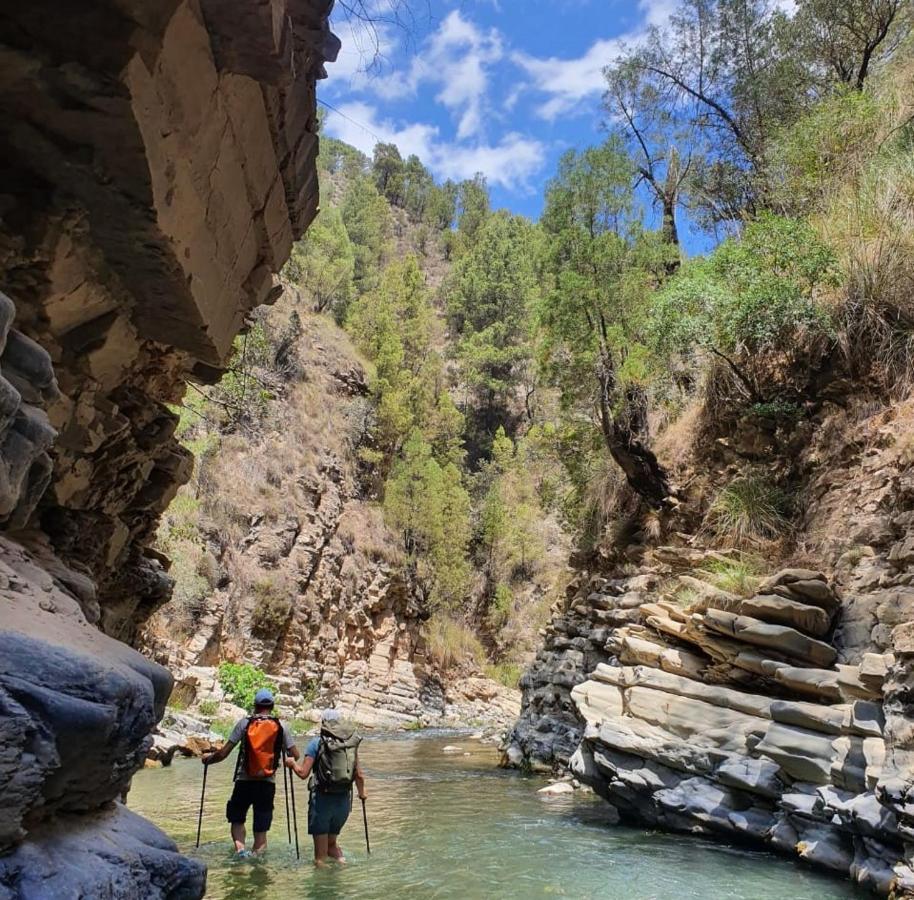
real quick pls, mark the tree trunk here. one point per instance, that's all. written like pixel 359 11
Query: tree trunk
pixel 622 435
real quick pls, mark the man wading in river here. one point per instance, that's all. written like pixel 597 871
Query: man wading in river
pixel 332 760
pixel 262 738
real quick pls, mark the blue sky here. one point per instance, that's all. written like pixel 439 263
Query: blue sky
pixel 498 86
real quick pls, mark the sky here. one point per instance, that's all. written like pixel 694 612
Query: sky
pixel 501 87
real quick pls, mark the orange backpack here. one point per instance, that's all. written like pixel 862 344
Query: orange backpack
pixel 262 746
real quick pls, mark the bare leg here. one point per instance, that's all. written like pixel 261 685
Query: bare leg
pixel 239 835
pixel 260 841
pixel 334 850
pixel 320 850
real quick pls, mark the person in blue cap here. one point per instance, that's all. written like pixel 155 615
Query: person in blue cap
pixel 263 741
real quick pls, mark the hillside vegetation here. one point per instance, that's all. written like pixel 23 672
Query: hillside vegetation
pixel 579 381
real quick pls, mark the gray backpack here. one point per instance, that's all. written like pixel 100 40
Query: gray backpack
pixel 334 765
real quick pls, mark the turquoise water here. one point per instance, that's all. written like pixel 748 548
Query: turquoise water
pixel 455 826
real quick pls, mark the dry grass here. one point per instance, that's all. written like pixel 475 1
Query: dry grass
pixel 451 644
pixel 674 444
pixel 362 529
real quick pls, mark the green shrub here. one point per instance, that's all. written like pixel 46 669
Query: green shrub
pixel 506 673
pixel 778 410
pixel 241 681
pixel 271 608
pixel 737 576
pixel 749 509
pixel 222 727
pixel 207 708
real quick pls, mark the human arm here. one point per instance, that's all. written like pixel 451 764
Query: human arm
pixel 219 755
pixel 360 781
pixel 303 768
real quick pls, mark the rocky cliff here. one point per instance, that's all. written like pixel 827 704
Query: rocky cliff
pixel 308 582
pixel 771 709
pixel 159 162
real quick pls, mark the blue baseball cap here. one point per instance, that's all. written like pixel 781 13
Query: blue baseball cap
pixel 264 697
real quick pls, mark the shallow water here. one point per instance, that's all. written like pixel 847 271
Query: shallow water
pixel 455 826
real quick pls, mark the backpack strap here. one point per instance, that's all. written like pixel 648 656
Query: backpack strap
pixel 279 751
pixel 242 745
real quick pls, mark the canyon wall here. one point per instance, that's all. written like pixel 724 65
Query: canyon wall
pixel 304 578
pixel 779 715
pixel 158 164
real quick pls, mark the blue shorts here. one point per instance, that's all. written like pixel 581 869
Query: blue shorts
pixel 327 813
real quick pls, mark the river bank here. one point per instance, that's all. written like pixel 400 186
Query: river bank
pixel 454 825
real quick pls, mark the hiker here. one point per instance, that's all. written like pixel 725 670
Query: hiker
pixel 262 738
pixel 332 761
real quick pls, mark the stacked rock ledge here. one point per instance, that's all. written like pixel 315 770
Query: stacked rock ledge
pixel 728 716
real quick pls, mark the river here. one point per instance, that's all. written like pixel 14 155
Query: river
pixel 446 825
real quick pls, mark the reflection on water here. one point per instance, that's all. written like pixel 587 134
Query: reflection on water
pixel 454 826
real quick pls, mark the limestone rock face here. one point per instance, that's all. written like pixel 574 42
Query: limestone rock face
pixel 159 162
pixel 736 721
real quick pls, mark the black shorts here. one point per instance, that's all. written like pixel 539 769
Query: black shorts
pixel 258 794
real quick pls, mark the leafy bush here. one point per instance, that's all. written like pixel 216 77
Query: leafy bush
pixel 271 608
pixel 749 509
pixel 207 708
pixel 241 681
pixel 779 410
pixel 505 673
pixel 752 294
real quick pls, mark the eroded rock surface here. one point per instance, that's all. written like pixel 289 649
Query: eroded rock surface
pixel 701 719
pixel 159 162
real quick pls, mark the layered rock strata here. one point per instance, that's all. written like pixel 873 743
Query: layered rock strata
pixel 158 162
pixel 725 715
pixel 347 628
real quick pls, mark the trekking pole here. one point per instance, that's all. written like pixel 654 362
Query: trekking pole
pixel 294 817
pixel 286 775
pixel 200 817
pixel 365 821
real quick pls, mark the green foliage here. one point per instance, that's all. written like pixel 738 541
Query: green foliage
pixel 472 204
pixel 366 216
pixel 207 708
pixel 505 673
pixel 740 576
pixel 222 727
pixel 508 537
pixel 271 609
pixel 394 326
pixel 241 681
pixel 778 410
pixel 748 510
pixel 754 294
pixel 323 264
pixel 427 503
pixel 450 643
pixel 490 295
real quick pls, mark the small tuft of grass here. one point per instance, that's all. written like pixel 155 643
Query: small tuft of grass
pixel 750 509
pixel 207 708
pixel 736 576
pixel 222 727
pixel 505 673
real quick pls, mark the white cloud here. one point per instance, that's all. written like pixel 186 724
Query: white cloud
pixel 456 59
pixel 510 162
pixel 568 82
